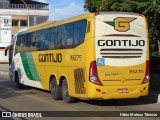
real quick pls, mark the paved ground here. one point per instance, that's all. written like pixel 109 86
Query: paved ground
pixel 4 67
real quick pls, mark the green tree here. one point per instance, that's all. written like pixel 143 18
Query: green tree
pixel 150 8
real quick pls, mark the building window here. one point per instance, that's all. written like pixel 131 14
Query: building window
pixel 23 23
pixel 15 22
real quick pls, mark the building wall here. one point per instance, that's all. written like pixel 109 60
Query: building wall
pixel 5 36
pixel 17 13
pixel 24 12
pixel 17 27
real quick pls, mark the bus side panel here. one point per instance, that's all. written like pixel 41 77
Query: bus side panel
pixel 72 68
pixel 20 63
pixel 89 49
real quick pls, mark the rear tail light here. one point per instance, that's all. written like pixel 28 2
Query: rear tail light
pixel 94 74
pixel 97 13
pixel 141 15
pixel 147 74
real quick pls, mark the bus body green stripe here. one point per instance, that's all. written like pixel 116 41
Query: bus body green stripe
pixel 29 66
pixel 26 66
pixel 32 67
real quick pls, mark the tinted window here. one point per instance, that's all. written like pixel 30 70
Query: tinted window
pixel 18 40
pixel 79 32
pixel 42 39
pixel 51 41
pixel 26 40
pixel 64 36
pixel 33 41
pixel 57 37
pixel 68 35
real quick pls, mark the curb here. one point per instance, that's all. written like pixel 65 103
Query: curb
pixel 4 73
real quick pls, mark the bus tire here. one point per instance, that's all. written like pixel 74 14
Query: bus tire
pixel 65 94
pixel 55 90
pixel 18 84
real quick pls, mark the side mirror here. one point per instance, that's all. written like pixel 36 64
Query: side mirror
pixel 5 53
pixel 6 50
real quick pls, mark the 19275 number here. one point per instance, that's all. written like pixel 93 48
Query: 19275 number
pixel 76 57
pixel 136 71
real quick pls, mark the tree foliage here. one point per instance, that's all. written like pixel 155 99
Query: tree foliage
pixel 150 8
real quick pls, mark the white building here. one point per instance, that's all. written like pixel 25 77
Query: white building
pixel 18 14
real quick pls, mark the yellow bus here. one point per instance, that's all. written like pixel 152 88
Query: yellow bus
pixel 92 56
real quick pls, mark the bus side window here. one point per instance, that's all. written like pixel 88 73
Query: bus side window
pixel 79 31
pixel 27 40
pixel 63 42
pixel 18 40
pixel 19 43
pixel 22 40
pixel 57 37
pixel 33 41
pixel 51 39
pixel 43 39
pixel 68 35
pixel 70 42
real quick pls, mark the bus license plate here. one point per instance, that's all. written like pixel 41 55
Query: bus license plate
pixel 123 90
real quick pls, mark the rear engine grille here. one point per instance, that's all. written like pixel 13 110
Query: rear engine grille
pixel 121 53
pixel 79 75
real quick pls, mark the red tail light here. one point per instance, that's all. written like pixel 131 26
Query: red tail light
pixel 141 15
pixel 147 74
pixel 97 13
pixel 94 74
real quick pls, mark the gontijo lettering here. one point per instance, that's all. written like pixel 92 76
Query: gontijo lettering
pixel 121 43
pixel 50 57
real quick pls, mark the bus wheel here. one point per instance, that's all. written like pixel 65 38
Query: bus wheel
pixel 65 94
pixel 55 90
pixel 19 85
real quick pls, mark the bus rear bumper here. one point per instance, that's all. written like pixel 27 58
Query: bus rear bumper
pixel 117 92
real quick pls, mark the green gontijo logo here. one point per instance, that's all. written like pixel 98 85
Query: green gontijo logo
pixel 121 24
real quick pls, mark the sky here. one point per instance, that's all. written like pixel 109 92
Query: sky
pixel 61 9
